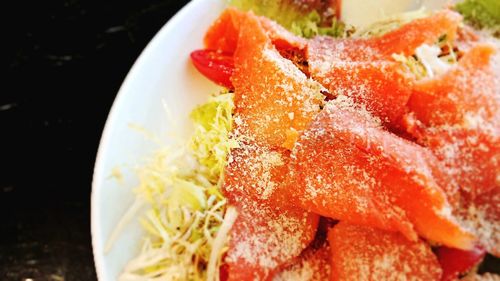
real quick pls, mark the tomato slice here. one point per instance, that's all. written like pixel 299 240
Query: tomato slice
pixel 215 65
pixel 455 262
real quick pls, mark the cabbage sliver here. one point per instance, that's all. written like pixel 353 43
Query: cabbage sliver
pixel 188 221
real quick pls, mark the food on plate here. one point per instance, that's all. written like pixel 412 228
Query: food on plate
pixel 365 253
pixel 346 167
pixel 481 13
pixel 332 153
pixel 455 262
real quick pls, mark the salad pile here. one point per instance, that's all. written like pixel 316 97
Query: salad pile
pixel 333 153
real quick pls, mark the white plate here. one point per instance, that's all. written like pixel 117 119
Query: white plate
pixel 162 73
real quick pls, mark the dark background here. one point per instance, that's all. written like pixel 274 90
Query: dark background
pixel 65 62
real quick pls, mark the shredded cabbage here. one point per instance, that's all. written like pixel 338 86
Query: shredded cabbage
pixel 180 185
pixel 429 61
pixel 210 143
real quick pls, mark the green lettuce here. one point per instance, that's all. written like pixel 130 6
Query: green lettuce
pixel 187 219
pixel 481 13
pixel 299 18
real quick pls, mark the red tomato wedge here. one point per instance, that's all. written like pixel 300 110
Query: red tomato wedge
pixel 455 262
pixel 214 65
pixel 364 253
pixel 345 166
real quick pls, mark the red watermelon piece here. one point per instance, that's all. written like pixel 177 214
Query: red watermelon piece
pixel 364 253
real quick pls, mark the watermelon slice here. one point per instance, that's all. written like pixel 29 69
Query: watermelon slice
pixel 364 253
pixel 347 167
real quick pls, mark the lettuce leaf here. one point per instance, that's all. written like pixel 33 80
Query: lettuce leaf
pixel 299 17
pixel 481 13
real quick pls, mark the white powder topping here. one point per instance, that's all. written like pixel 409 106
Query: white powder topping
pixel 253 167
pixel 380 255
pixel 314 265
pixel 482 217
pixel 268 237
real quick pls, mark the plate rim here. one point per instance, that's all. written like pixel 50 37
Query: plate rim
pixel 98 241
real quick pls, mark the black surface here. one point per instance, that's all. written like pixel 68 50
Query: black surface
pixel 65 63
